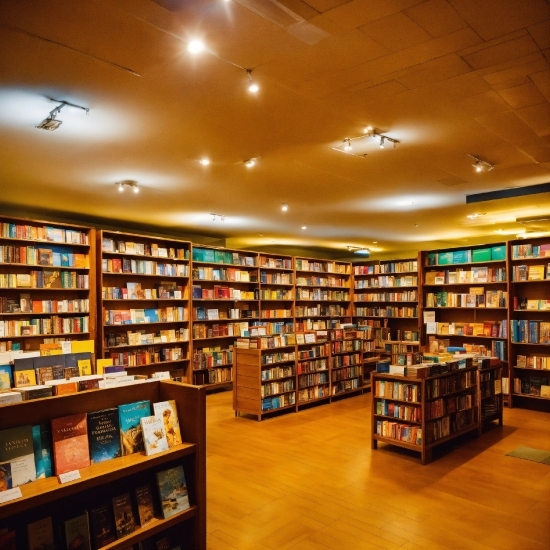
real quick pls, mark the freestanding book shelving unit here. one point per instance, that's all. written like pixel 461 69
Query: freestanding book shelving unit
pixel 100 482
pixel 490 399
pixel 47 283
pixel 143 293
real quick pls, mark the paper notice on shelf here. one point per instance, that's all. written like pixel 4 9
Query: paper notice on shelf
pixel 66 347
pixel 429 316
pixel 431 328
pixel 10 494
pixel 73 475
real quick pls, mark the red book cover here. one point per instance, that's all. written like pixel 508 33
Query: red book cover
pixel 70 443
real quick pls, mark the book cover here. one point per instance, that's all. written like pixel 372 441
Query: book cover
pixel 40 534
pixel 172 491
pixel 104 435
pixel 131 435
pixel 125 522
pixel 102 525
pixel 146 509
pixel 70 443
pixel 167 411
pixel 41 437
pixel 16 447
pixel 6 370
pixel 5 476
pixel 24 373
pixel 77 533
pixel 154 436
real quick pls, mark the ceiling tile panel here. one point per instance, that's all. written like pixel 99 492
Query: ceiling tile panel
pixel 542 81
pixel 435 71
pixel 500 53
pixel 322 6
pixel 396 32
pixel 436 17
pixel 527 65
pixel 541 34
pixel 492 18
pixel 482 104
pixel 510 83
pixel 300 8
pixel 522 96
pixel 537 117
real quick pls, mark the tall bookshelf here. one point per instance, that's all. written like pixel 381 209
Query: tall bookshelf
pixel 346 361
pixel 465 298
pixel 490 398
pixel 323 294
pixel 529 269
pixel 313 370
pixel 143 297
pixel 47 283
pixel 100 482
pixel 225 301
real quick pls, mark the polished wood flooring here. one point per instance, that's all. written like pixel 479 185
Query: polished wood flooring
pixel 310 481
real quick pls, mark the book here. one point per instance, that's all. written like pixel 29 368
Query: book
pixel 125 522
pixel 167 411
pixel 41 437
pixel 145 506
pixel 131 434
pixel 77 533
pixel 23 372
pixel 40 534
pixel 16 447
pixel 5 476
pixel 154 436
pixel 172 491
pixel 104 435
pixel 102 525
pixel 71 450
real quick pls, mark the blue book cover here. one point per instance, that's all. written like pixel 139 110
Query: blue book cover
pixel 7 370
pixel 172 491
pixel 131 436
pixel 41 437
pixel 152 314
pixel 104 435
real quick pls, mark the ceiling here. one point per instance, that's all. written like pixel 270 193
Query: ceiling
pixel 447 79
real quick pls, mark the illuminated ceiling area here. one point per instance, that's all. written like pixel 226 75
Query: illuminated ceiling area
pixel 457 91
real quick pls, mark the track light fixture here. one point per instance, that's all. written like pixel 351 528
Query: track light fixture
pixel 195 46
pixel 284 207
pixel 368 132
pixel 121 185
pixel 347 144
pixel 361 250
pixel 204 161
pixel 221 217
pixel 250 163
pixel 480 165
pixel 51 123
pixel 382 142
pixel 252 86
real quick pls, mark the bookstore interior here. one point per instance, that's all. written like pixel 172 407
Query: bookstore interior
pixel 330 220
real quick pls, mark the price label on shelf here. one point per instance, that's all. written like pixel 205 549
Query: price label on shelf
pixel 68 476
pixel 10 494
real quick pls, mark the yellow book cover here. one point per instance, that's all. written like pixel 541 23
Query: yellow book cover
pixel 535 273
pixel 23 378
pixel 101 364
pixel 81 346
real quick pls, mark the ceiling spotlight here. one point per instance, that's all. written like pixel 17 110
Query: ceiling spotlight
pixel 252 86
pixel 347 144
pixel 284 207
pixel 127 183
pixel 249 163
pixel 474 216
pixel 204 162
pixel 382 142
pixel 120 187
pixel 304 226
pixel 368 130
pixel 362 251
pixel 480 165
pixel 50 123
pixel 136 189
pixel 195 46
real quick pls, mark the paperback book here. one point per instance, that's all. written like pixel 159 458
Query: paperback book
pixel 104 435
pixel 172 491
pixel 5 476
pixel 167 411
pixel 40 534
pixel 131 434
pixel 154 436
pixel 16 448
pixel 146 509
pixel 125 522
pixel 102 525
pixel 71 450
pixel 41 437
pixel 77 533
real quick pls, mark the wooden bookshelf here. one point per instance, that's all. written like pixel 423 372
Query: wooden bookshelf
pixel 323 294
pixel 47 283
pixel 490 398
pixel 346 362
pixel 416 413
pixel 143 296
pixel 225 301
pixel 100 482
pixel 313 372
pixel 529 314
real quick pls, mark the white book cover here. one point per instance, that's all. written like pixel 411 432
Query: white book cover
pixel 154 435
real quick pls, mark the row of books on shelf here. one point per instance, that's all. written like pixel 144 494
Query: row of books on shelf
pixel 530 272
pixel 388 311
pixel 44 326
pixel 531 304
pixel 281 371
pixel 400 432
pixel 408 296
pixel 275 263
pixel 475 298
pixel 467 255
pixel 267 277
pixel 211 255
pixel 345 371
pixel 56 256
pixel 389 267
pixel 448 405
pixel 344 386
pixel 528 251
pixel 532 385
pixel 321 311
pixel 148 315
pixel 270 294
pixel 303 264
pixel 322 281
pixel 443 427
pixel 464 276
pixel 387 281
pixel 276 388
pixel 313 379
pixel 150 356
pixel 24 304
pixel 320 294
pixel 530 332
pixel 276 313
pixel 316 365
pixel 215 330
pixel 207 358
pixel 278 401
pixel 42 233
pixel 489 329
pixel 215 314
pixel 143 338
pixel 398 410
pixel 541 362
pixel 322 350
pixel 229 274
pixel 220 292
pixel 143 249
pixel 274 327
pixel 143 267
pixel 46 278
pixel 134 291
pixel 312 393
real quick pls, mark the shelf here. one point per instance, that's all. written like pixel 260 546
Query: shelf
pixel 399 442
pixel 313 400
pixel 531 369
pixel 392 273
pixel 143 324
pixel 531 259
pixel 431 419
pixel 149 257
pixel 49 490
pixel 145 300
pixel 417 403
pixel 530 282
pixel 435 308
pixel 39 241
pixel 285 269
pixel 311 358
pixel 527 344
pixel 464 430
pixel 50 267
pixel 267 411
pixel 471 283
pixel 274 318
pixel 198 321
pixel 225 281
pixel 393 418
pixel 121 273
pixel 223 300
pixel 312 372
pixel 474 264
pixel 531 396
pixel 26 314
pixel 448 394
pixel 217 264
pixel 345 366
pixel 266 365
pixel 213 338
pixel 531 310
pixel 46 335
pixel 275 284
pixel 385 301
pixel 32 288
pixel 275 379
pixel 224 365
pixel 352 390
pixel 470 336
pixel 123 346
pixel 160 363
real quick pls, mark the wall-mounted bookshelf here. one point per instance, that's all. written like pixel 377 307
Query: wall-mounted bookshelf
pixel 47 283
pixel 143 297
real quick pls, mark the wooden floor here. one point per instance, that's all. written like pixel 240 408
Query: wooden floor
pixel 311 481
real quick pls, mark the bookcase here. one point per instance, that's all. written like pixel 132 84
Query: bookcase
pixel 323 294
pixel 346 361
pixel 143 297
pixel 465 298
pixel 313 371
pixel 529 268
pixel 100 482
pixel 490 399
pixel 388 291
pixel 225 301
pixel 420 414
pixel 47 283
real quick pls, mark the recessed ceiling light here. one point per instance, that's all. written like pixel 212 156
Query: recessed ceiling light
pixel 195 46
pixel 204 162
pixel 474 216
pixel 347 144
pixel 284 207
pixel 362 251
pixel 374 242
pixel 368 130
pixel 304 227
pixel 249 163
